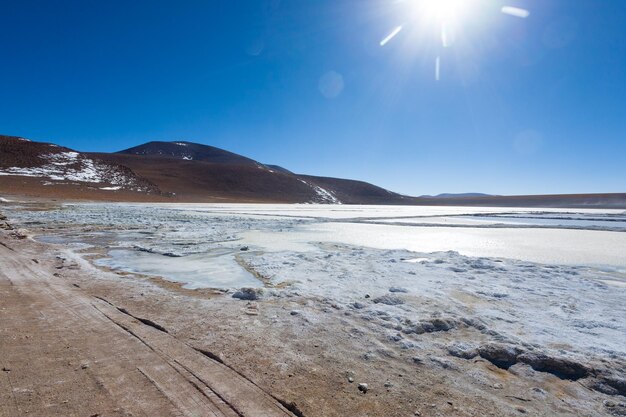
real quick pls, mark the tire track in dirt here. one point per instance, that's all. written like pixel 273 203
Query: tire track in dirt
pixel 71 354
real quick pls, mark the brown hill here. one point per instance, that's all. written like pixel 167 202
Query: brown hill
pixel 199 180
pixel 168 171
pixel 191 180
pixel 190 172
pixel 46 169
pixel 188 151
pixel 357 192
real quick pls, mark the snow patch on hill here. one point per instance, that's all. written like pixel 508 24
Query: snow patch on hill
pixel 324 195
pixel 72 167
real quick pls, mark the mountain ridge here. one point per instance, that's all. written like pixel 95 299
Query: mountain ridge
pixel 188 151
pixel 170 171
pixel 182 171
pixel 457 195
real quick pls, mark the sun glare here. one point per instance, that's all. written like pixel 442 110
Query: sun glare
pixel 443 11
pixel 446 16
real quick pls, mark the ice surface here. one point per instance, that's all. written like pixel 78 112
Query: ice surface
pixel 195 228
pixel 551 246
pixel 364 212
pixel 187 246
pixel 195 271
pixel 545 221
pixel 552 288
pixel 527 303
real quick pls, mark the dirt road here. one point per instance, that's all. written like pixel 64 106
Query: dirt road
pixel 65 353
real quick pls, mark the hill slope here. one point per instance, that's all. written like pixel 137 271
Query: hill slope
pixel 194 172
pixel 168 171
pixel 188 151
pixel 27 165
pixel 190 172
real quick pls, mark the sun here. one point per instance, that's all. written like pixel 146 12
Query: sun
pixel 441 11
pixel 446 17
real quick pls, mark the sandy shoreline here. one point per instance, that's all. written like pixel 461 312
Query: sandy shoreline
pixel 67 351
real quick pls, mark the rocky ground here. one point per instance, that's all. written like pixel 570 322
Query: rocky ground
pixel 81 340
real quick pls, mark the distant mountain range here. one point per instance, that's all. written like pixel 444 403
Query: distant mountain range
pixel 463 195
pixel 190 172
pixel 169 171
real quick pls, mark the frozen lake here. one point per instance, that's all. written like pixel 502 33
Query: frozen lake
pixel 549 246
pixel 197 243
pixel 553 280
pixel 568 237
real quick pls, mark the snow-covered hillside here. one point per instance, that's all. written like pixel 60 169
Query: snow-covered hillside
pixel 56 165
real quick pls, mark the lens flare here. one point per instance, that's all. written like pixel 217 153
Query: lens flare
pixel 446 16
pixel 516 11
pixel 391 36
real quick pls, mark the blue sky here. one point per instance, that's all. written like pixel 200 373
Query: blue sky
pixel 523 106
